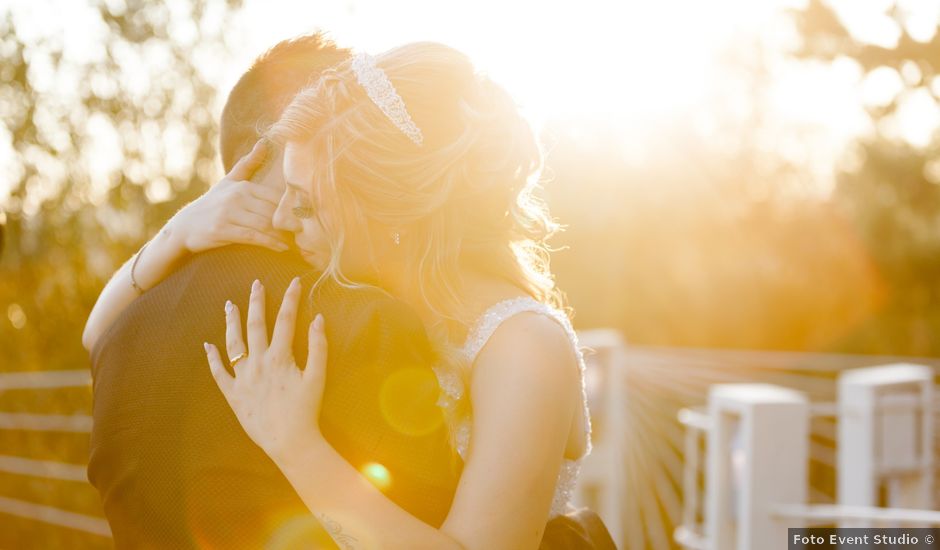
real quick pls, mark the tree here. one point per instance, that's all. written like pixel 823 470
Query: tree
pixel 106 144
pixel 108 123
pixel 889 187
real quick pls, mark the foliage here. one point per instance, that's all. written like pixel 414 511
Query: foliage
pixel 105 142
pixel 890 190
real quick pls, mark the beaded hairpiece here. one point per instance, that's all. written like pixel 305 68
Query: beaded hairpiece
pixel 381 91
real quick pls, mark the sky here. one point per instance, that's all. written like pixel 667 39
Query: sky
pixel 589 59
pixel 635 67
pixel 643 67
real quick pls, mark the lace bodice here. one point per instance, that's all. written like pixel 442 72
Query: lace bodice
pixel 477 338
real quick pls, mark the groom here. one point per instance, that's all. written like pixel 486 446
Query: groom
pixel 173 467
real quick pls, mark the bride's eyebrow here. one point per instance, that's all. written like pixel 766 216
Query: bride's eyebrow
pixel 307 196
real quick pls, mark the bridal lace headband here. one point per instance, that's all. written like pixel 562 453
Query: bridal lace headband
pixel 383 94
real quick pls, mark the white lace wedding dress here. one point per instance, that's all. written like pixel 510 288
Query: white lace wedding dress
pixel 479 334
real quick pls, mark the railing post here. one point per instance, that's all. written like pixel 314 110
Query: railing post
pixel 601 484
pixel 757 456
pixel 689 534
pixel 885 438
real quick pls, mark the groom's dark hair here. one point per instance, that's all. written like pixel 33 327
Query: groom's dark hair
pixel 268 86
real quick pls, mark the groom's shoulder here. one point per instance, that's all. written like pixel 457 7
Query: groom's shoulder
pixel 189 299
pixel 236 264
pixel 205 280
pixel 198 286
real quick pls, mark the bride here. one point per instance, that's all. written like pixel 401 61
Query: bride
pixel 412 172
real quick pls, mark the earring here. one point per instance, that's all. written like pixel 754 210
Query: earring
pixel 396 237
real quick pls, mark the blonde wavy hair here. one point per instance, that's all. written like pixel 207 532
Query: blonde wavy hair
pixel 462 198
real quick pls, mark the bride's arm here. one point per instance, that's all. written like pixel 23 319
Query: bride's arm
pixel 523 405
pixel 232 211
pixel 154 260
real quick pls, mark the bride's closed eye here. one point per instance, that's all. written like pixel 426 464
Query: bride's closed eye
pixel 302 211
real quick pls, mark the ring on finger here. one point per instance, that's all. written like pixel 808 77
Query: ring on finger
pixel 234 360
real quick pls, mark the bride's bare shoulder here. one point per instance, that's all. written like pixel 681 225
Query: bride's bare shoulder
pixel 529 344
pixel 532 327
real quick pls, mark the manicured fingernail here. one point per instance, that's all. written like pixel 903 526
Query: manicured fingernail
pixel 228 306
pixel 295 282
pixel 206 345
pixel 318 322
pixel 256 286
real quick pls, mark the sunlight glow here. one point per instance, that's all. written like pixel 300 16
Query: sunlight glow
pixel 594 59
pixel 637 69
pixel 640 70
pixel 377 474
pixel 408 401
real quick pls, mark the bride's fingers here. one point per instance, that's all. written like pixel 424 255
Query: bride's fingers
pixel 315 371
pixel 265 194
pixel 257 326
pixel 261 219
pixel 246 215
pixel 222 377
pixel 248 235
pixel 234 343
pixel 283 338
pixel 250 163
pixel 255 208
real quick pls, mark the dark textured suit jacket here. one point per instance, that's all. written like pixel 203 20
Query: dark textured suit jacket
pixel 173 466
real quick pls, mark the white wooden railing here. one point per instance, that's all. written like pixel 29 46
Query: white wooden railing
pixel 654 428
pixel 690 425
pixel 46 469
pixel 757 488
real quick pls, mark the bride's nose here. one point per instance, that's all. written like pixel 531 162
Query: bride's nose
pixel 284 219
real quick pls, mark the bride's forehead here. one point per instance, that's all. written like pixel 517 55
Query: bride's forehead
pixel 298 163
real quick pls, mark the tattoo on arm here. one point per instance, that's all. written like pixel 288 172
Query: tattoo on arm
pixel 335 530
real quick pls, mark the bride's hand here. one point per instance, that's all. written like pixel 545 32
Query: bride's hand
pixel 233 211
pixel 276 403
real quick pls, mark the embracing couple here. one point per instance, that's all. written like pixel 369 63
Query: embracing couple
pixel 353 338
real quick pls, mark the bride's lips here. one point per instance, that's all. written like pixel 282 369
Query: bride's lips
pixel 309 256
pixel 310 253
